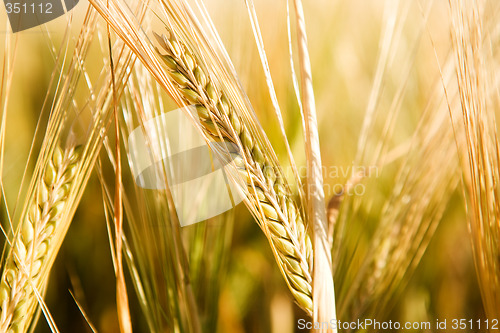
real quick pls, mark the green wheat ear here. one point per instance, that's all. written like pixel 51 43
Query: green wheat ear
pixel 27 263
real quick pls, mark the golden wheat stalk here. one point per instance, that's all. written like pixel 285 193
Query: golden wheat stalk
pixel 33 243
pixel 324 294
pixel 269 196
pixel 54 193
pixel 477 90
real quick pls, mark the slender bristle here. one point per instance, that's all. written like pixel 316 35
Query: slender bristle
pixel 480 157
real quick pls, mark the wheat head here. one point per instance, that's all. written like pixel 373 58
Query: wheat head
pixel 268 195
pixel 26 265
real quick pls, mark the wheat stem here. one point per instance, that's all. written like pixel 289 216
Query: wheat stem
pixel 323 291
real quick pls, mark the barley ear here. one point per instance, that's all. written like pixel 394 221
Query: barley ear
pixel 267 194
pixel 27 264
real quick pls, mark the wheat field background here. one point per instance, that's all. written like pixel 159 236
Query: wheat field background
pixel 406 95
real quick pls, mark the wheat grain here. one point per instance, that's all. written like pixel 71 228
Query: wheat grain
pixel 267 193
pixel 26 264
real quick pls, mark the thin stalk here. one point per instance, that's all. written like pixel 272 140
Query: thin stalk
pixel 323 290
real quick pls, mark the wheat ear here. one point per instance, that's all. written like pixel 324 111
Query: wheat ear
pixel 25 267
pixel 268 196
